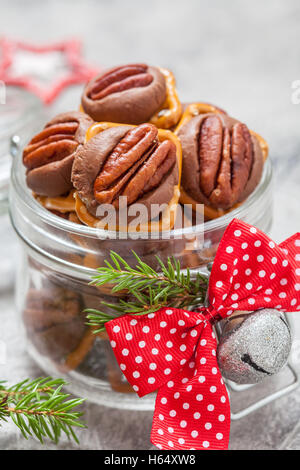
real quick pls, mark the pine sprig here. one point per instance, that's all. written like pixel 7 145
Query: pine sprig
pixel 39 408
pixel 146 290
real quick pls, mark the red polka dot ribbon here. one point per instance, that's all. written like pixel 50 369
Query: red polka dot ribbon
pixel 174 351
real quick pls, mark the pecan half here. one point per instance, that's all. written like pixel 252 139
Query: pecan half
pixel 137 164
pixel 124 161
pixel 120 79
pixel 49 155
pixel 127 94
pixel 227 159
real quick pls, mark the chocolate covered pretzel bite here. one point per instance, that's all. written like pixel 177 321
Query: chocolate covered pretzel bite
pixel 222 160
pixel 133 94
pixel 140 163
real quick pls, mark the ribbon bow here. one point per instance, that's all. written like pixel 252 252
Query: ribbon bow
pixel 174 351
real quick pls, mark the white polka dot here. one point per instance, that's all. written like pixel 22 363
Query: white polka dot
pixel 274 260
pixel 244 246
pixel 167 371
pixel 181 440
pixel 237 286
pixel 297 257
pixel 219 436
pixel 176 395
pixel 183 424
pixel 208 426
pixel 136 374
pixel 210 407
pixel 268 291
pixel 152 366
pixel 169 344
pixel 170 384
pixel 203 342
pixel 257 243
pixel 297 242
pixel 213 389
pixel 154 351
pixel 221 418
pixel 116 329
pixel 193 333
pixel 173 330
pixel 113 344
pixel 194 434
pixel 223 267
pixel 235 272
pixel 219 283
pixel 146 329
pixel 260 258
pixel 182 347
pixel 161 417
pixel 157 337
pixel 214 370
pixel 138 359
pixel 182 362
pixel 169 312
pixel 197 415
pixel 151 315
pixel 229 249
pixel 245 257
pixel 181 323
pixel 249 286
pixel 267 299
pixel 184 380
pixel 223 399
pixel 293 301
pixel 273 275
pixel 271 244
pixel 125 352
pixel 282 295
pixel 172 413
pixel 235 262
pixel 189 388
pixel 237 233
pixel 122 367
pixel 133 322
pixel 251 301
pixel 297 286
pixel 163 324
pixel 285 263
pixel 205 444
pixel 142 344
pixel 151 380
pixel 168 357
pixel 248 272
pixel 135 388
pixel 171 430
pixel 129 336
pixel 160 432
pixel 186 406
pixel 199 397
pixel 262 273
pixel 253 230
pixel 170 444
pixel 191 365
pixel 201 379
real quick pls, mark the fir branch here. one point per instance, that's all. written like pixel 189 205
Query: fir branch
pixel 40 409
pixel 146 290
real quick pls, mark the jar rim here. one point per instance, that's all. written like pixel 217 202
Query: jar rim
pixel 18 184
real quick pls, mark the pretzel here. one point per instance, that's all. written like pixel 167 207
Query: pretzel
pixel 170 113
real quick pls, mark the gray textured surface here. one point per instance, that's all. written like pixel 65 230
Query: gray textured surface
pixel 242 56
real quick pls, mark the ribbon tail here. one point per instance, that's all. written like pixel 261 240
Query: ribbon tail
pixel 192 410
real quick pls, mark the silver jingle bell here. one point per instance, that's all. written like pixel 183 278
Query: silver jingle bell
pixel 253 346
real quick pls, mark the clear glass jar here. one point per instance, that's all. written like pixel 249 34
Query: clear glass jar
pixel 60 258
pixel 19 116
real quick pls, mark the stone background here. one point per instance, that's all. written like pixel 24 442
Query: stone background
pixel 242 56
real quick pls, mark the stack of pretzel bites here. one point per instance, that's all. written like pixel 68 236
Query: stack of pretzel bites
pixel 133 140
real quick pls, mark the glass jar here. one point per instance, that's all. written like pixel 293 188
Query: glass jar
pixel 59 259
pixel 19 113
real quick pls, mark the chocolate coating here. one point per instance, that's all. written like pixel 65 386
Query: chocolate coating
pixel 220 170
pixel 89 160
pixel 54 178
pixel 134 105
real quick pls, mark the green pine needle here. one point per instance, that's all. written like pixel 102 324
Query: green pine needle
pixel 146 290
pixel 39 408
